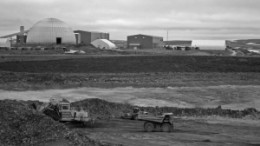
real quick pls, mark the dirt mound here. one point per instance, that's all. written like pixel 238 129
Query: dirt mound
pixel 198 112
pixel 20 125
pixel 103 109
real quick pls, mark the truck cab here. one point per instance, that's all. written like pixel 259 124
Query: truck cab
pixel 65 111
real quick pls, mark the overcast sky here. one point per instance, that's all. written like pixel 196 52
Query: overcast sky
pixel 184 19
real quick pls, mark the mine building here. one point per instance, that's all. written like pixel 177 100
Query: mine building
pixel 86 37
pixel 141 41
pixel 17 39
pixel 51 31
pixel 5 43
pixel 21 36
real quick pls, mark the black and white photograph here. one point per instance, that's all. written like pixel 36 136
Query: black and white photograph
pixel 129 72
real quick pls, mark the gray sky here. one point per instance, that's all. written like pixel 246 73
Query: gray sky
pixel 184 19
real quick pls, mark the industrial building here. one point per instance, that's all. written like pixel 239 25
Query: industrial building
pixel 18 38
pixel 86 37
pixel 51 31
pixel 141 41
pixel 22 36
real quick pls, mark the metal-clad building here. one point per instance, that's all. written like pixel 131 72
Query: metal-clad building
pixel 141 41
pixel 86 37
pixel 50 31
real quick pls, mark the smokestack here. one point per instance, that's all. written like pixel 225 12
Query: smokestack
pixel 22 29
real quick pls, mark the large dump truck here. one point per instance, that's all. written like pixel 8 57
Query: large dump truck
pixel 163 122
pixel 61 110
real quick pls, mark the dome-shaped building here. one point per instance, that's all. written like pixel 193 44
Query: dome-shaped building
pixel 51 31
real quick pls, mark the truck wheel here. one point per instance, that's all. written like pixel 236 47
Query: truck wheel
pixel 166 127
pixel 148 126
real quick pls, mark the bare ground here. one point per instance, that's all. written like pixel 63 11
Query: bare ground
pixel 192 131
pixel 187 132
pixel 147 85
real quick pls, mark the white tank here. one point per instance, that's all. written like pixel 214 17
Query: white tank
pixel 103 44
pixel 51 31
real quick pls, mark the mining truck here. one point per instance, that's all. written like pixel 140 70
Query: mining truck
pixel 162 122
pixel 61 110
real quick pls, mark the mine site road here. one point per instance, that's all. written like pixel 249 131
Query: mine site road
pixel 187 132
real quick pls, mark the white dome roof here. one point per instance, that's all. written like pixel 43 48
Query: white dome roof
pixel 103 44
pixel 51 31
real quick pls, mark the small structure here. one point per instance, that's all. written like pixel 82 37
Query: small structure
pixel 141 41
pixel 18 38
pixel 103 44
pixel 22 36
pixel 86 37
pixel 5 43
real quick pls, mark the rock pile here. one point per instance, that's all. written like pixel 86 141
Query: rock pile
pixel 20 125
pixel 106 109
pixel 218 111
pixel 103 109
